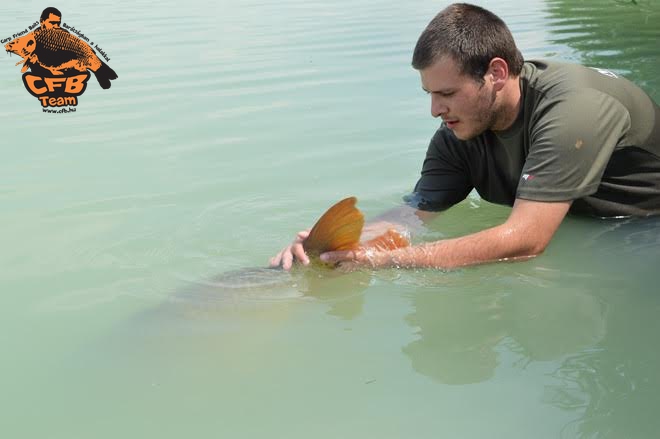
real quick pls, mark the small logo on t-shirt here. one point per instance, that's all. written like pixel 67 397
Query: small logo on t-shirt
pixel 527 177
pixel 605 72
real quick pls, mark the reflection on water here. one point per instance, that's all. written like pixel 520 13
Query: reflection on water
pixel 600 330
pixel 616 383
pixel 460 332
pixel 342 293
pixel 614 34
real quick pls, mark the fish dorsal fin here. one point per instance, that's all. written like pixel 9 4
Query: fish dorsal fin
pixel 339 228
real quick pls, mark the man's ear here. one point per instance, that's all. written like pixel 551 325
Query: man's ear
pixel 498 73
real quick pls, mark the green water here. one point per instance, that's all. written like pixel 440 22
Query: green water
pixel 232 126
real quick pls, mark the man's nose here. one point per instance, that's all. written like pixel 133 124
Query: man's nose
pixel 438 108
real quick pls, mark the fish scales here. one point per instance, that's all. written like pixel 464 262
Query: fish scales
pixel 57 40
pixel 58 50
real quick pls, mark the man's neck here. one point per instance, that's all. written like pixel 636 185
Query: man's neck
pixel 509 105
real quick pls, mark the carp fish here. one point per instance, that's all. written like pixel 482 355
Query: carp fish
pixel 57 51
pixel 339 228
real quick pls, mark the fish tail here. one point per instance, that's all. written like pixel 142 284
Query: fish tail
pixel 104 74
pixel 339 228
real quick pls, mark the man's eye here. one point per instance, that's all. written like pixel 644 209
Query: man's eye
pixel 441 93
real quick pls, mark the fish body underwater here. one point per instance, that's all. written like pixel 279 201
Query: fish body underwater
pixel 57 51
pixel 263 292
pixel 338 229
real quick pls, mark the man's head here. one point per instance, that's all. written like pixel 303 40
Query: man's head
pixel 468 61
pixel 50 18
pixel 471 36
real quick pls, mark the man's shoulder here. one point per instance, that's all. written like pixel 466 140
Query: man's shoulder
pixel 554 78
pixel 549 78
pixel 572 93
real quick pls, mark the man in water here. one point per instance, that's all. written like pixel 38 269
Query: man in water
pixel 545 137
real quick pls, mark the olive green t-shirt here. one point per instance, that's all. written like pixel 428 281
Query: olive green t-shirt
pixel 582 134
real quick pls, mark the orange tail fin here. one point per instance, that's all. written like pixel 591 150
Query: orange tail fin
pixel 339 228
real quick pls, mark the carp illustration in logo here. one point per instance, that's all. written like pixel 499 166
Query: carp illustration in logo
pixel 58 62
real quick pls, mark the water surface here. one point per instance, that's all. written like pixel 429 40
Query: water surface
pixel 232 126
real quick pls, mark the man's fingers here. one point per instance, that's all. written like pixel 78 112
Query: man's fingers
pixel 276 260
pixel 292 252
pixel 287 259
pixel 299 252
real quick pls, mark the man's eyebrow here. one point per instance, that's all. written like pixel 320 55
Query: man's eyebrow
pixel 443 91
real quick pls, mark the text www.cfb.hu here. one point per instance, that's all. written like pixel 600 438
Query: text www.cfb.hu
pixel 60 111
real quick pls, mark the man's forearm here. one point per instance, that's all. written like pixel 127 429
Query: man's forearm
pixel 526 233
pixel 497 243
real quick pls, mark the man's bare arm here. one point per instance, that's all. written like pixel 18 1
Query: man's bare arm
pixel 527 232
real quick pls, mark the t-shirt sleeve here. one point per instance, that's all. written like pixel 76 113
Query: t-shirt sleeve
pixel 444 180
pixel 570 146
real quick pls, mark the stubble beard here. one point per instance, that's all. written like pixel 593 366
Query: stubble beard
pixel 487 111
pixel 485 116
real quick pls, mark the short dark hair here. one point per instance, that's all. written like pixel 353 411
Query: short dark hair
pixel 50 10
pixel 472 37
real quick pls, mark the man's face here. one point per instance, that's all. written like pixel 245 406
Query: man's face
pixel 465 105
pixel 52 22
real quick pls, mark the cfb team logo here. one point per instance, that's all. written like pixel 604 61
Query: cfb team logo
pixel 56 64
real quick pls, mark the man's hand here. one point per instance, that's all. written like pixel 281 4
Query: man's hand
pixel 294 251
pixel 526 233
